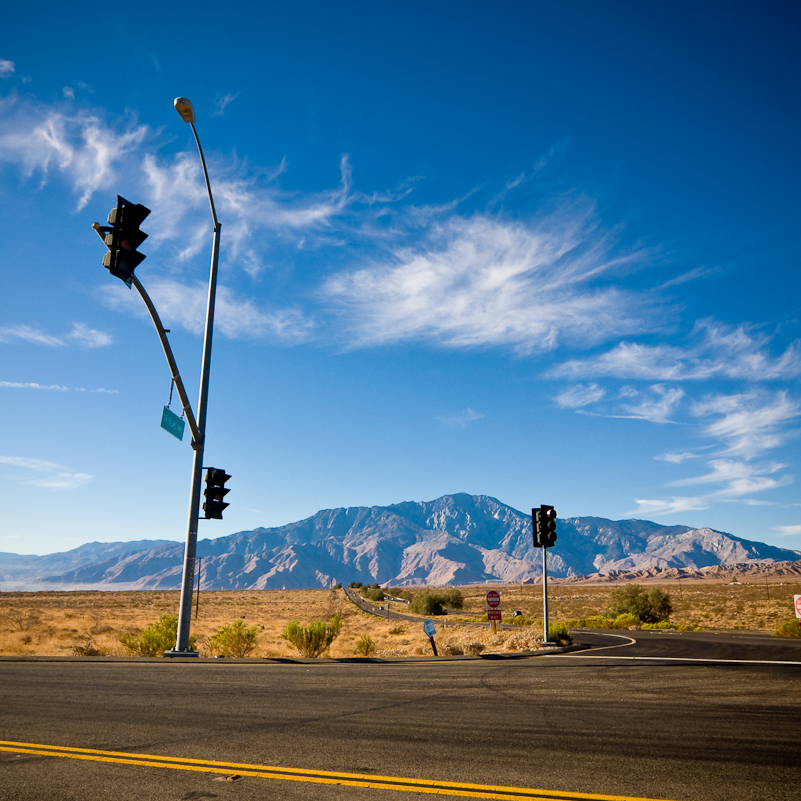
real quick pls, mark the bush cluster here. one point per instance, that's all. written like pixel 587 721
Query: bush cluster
pixel 434 603
pixel 650 606
pixel 234 640
pixel 558 633
pixel 365 645
pixel 312 640
pixel 157 638
pixel 790 628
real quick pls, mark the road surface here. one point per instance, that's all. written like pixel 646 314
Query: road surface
pixel 649 716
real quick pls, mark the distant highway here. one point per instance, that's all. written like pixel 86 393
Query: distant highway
pixel 638 716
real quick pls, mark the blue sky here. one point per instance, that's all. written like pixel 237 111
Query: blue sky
pixel 542 251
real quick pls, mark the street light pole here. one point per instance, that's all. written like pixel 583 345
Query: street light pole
pixel 184 108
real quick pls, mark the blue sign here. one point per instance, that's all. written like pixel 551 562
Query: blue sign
pixel 173 424
pixel 429 629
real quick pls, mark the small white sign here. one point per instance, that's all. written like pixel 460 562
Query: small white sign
pixel 797 599
pixel 429 629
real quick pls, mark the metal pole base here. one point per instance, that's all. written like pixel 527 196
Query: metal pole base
pixel 181 653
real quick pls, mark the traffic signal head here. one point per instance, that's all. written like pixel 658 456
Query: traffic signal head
pixel 123 237
pixel 536 528
pixel 547 518
pixel 215 492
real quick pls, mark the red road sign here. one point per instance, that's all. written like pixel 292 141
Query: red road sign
pixel 493 614
pixel 797 599
pixel 493 599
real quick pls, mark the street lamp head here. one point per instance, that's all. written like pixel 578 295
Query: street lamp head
pixel 184 107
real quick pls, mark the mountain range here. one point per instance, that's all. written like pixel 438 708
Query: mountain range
pixel 453 540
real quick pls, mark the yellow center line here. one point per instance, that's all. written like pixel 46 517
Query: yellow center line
pixel 376 782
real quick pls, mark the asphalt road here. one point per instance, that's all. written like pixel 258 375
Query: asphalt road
pixel 640 719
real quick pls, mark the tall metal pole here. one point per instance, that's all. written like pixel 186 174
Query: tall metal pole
pixel 187 583
pixel 544 595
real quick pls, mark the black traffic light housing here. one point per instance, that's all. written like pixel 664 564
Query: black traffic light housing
pixel 123 237
pixel 215 492
pixel 543 523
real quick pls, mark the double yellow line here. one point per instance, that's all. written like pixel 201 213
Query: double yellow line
pixel 373 782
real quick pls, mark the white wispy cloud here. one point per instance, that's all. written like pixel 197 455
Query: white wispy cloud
pixel 54 387
pixel 222 102
pixel 676 458
pixel 6 68
pixel 184 304
pixel 486 281
pixel 787 531
pixel 81 145
pixel 80 335
pixel 577 396
pixel 668 506
pixel 716 350
pixel 658 407
pixel 48 475
pixel 33 385
pixel 461 419
pixel 749 423
pixel 739 478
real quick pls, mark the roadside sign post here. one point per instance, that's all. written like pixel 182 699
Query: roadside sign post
pixel 797 604
pixel 429 629
pixel 493 608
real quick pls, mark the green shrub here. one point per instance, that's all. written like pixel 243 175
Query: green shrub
pixel 790 628
pixel 365 645
pixel 434 603
pixel 374 594
pixel 558 633
pixel 626 621
pixel 427 603
pixel 661 626
pixel 453 598
pixel 314 639
pixel 157 638
pixel 648 606
pixel 234 640
pixel 355 585
pixel 398 630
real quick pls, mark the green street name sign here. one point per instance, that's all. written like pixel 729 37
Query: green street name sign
pixel 173 424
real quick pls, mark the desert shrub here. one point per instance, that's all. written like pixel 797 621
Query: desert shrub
pixel 157 638
pixel 398 630
pixel 474 648
pixel 374 594
pixel 648 606
pixel 790 628
pixel 520 621
pixel 397 593
pixel 355 585
pixel 661 626
pixel 626 621
pixel 558 633
pixel 312 640
pixel 234 640
pixel 452 649
pixel 453 598
pixel 365 645
pixel 427 603
pixel 434 603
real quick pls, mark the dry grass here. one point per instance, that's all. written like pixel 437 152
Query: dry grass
pixel 63 623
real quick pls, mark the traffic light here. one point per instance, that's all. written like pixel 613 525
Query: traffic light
pixel 123 237
pixel 547 519
pixel 215 492
pixel 536 528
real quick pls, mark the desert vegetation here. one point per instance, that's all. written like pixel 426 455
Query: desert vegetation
pixel 100 623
